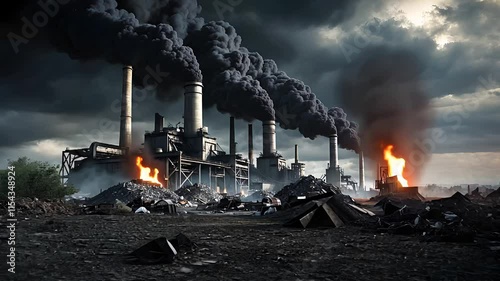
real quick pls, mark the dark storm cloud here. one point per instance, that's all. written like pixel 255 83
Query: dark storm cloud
pixel 294 12
pixel 473 19
pixel 298 49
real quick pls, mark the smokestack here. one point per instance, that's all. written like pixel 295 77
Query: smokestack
pixel 193 111
pixel 269 138
pixel 296 154
pixel 334 158
pixel 361 171
pixel 159 119
pixel 126 110
pixel 250 144
pixel 232 141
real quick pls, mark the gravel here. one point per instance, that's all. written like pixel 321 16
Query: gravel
pixel 305 186
pixel 129 191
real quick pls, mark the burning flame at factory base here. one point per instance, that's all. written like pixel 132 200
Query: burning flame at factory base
pixel 396 165
pixel 145 173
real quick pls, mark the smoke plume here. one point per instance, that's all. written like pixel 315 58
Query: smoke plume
pixel 98 30
pixel 243 83
pixel 218 49
pixel 385 93
pixel 168 44
pixel 182 15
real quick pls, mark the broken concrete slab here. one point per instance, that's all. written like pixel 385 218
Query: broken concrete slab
pixel 158 251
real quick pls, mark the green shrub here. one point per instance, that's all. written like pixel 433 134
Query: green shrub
pixel 34 179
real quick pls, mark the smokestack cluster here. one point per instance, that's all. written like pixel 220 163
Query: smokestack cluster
pixel 334 158
pixel 126 109
pixel 269 138
pixel 174 45
pixel 232 138
pixel 193 108
pixel 250 144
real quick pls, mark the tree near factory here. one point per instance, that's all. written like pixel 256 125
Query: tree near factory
pixel 34 179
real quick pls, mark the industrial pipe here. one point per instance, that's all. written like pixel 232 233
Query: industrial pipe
pixel 193 110
pixel 269 138
pixel 296 154
pixel 361 171
pixel 250 144
pixel 232 140
pixel 159 120
pixel 126 109
pixel 334 158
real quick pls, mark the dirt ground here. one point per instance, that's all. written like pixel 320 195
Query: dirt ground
pixel 234 247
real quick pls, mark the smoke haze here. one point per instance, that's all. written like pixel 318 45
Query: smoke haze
pixel 386 94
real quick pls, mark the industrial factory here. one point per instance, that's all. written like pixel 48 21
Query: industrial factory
pixel 179 156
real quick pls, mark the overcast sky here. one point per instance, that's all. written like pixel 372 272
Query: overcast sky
pixel 49 102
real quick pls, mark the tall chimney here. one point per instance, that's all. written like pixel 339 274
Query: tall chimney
pixel 250 144
pixel 334 158
pixel 269 138
pixel 159 119
pixel 193 110
pixel 361 171
pixel 126 110
pixel 232 141
pixel 296 154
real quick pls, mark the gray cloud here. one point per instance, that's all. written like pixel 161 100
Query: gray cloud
pixel 67 94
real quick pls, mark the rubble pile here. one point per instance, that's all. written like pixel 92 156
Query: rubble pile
pixel 28 206
pixel 198 193
pixel 257 196
pixel 306 186
pixel 453 219
pixel 131 191
pixel 324 210
pixel 494 196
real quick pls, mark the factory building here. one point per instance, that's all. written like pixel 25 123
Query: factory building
pixel 183 155
pixel 187 155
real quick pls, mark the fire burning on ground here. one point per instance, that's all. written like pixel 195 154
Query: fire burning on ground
pixel 396 165
pixel 145 172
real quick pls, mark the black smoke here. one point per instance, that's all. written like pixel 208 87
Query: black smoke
pixel 385 92
pixel 98 30
pixel 218 49
pixel 237 81
pixel 182 15
pixel 234 76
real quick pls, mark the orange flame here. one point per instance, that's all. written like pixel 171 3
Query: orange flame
pixel 396 165
pixel 145 172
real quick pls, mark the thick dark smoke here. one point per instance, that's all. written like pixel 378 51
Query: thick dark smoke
pixel 218 49
pixel 234 76
pixel 98 30
pixel 182 15
pixel 236 80
pixel 227 78
pixel 385 93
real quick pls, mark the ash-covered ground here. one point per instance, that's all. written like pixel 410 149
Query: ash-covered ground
pixel 235 246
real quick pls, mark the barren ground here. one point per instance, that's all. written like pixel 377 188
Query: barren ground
pixel 91 247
